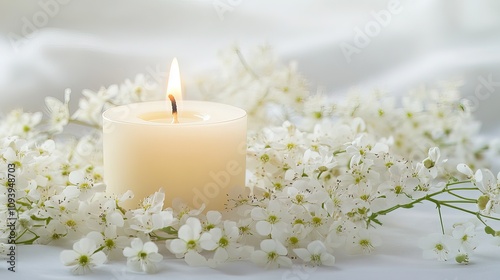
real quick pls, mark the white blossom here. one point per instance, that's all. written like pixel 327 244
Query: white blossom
pixel 316 254
pixel 83 256
pixel 272 254
pixel 142 257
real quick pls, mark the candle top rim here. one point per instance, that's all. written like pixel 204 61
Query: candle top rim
pixel 206 111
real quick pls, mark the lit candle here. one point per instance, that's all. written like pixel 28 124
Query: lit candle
pixel 199 159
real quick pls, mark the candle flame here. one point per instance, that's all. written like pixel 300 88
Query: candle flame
pixel 174 81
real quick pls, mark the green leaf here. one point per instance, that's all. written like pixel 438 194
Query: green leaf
pixel 35 218
pixel 373 218
pixel 376 221
pixel 407 206
pixel 169 230
pixel 25 204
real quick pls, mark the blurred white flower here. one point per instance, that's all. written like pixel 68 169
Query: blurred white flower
pixel 58 112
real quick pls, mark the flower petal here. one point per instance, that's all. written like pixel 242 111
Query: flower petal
pixel 155 257
pixel 178 246
pixel 99 258
pixel 69 257
pixel 263 228
pixel 268 245
pixel 327 259
pixel 129 252
pixel 149 267
pixel 186 233
pixel 258 214
pixel 303 254
pixel 280 249
pixel 206 242
pixel 134 265
pixel 316 247
pixel 259 257
pixel 193 258
pixel 284 261
pixel 214 217
pixel 136 244
pixel 150 247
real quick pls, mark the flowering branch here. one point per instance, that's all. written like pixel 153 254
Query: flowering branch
pixel 314 180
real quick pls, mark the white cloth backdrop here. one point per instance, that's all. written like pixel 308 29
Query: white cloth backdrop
pixel 47 46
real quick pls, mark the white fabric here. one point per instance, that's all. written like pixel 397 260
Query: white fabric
pixel 93 43
pixel 398 258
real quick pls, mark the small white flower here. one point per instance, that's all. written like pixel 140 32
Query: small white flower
pixel 84 184
pixel 465 234
pixel 151 222
pixel 364 242
pixel 59 111
pixel 435 246
pixel 466 170
pixel 83 256
pixel 109 239
pixel 315 254
pixel 191 238
pixel 225 239
pixel 272 254
pixel 142 257
pixel 270 219
pixel 214 218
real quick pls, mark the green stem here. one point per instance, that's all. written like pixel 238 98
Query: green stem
pixel 77 122
pixel 28 242
pixel 463 197
pixel 21 235
pixel 245 64
pixel 477 214
pixel 458 183
pixel 99 249
pixel 440 217
pixel 457 201
pixel 438 203
pixel 339 152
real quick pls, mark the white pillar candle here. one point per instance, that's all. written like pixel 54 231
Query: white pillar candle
pixel 200 159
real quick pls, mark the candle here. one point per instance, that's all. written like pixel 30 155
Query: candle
pixel 199 159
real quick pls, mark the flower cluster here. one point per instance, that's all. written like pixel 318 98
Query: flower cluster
pixel 321 175
pixel 269 92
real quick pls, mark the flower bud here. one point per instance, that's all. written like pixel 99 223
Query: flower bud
pixel 429 163
pixel 482 201
pixel 462 258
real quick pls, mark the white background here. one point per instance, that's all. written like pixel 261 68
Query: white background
pixel 49 45
pixel 93 43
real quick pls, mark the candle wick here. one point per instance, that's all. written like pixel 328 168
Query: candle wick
pixel 174 108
